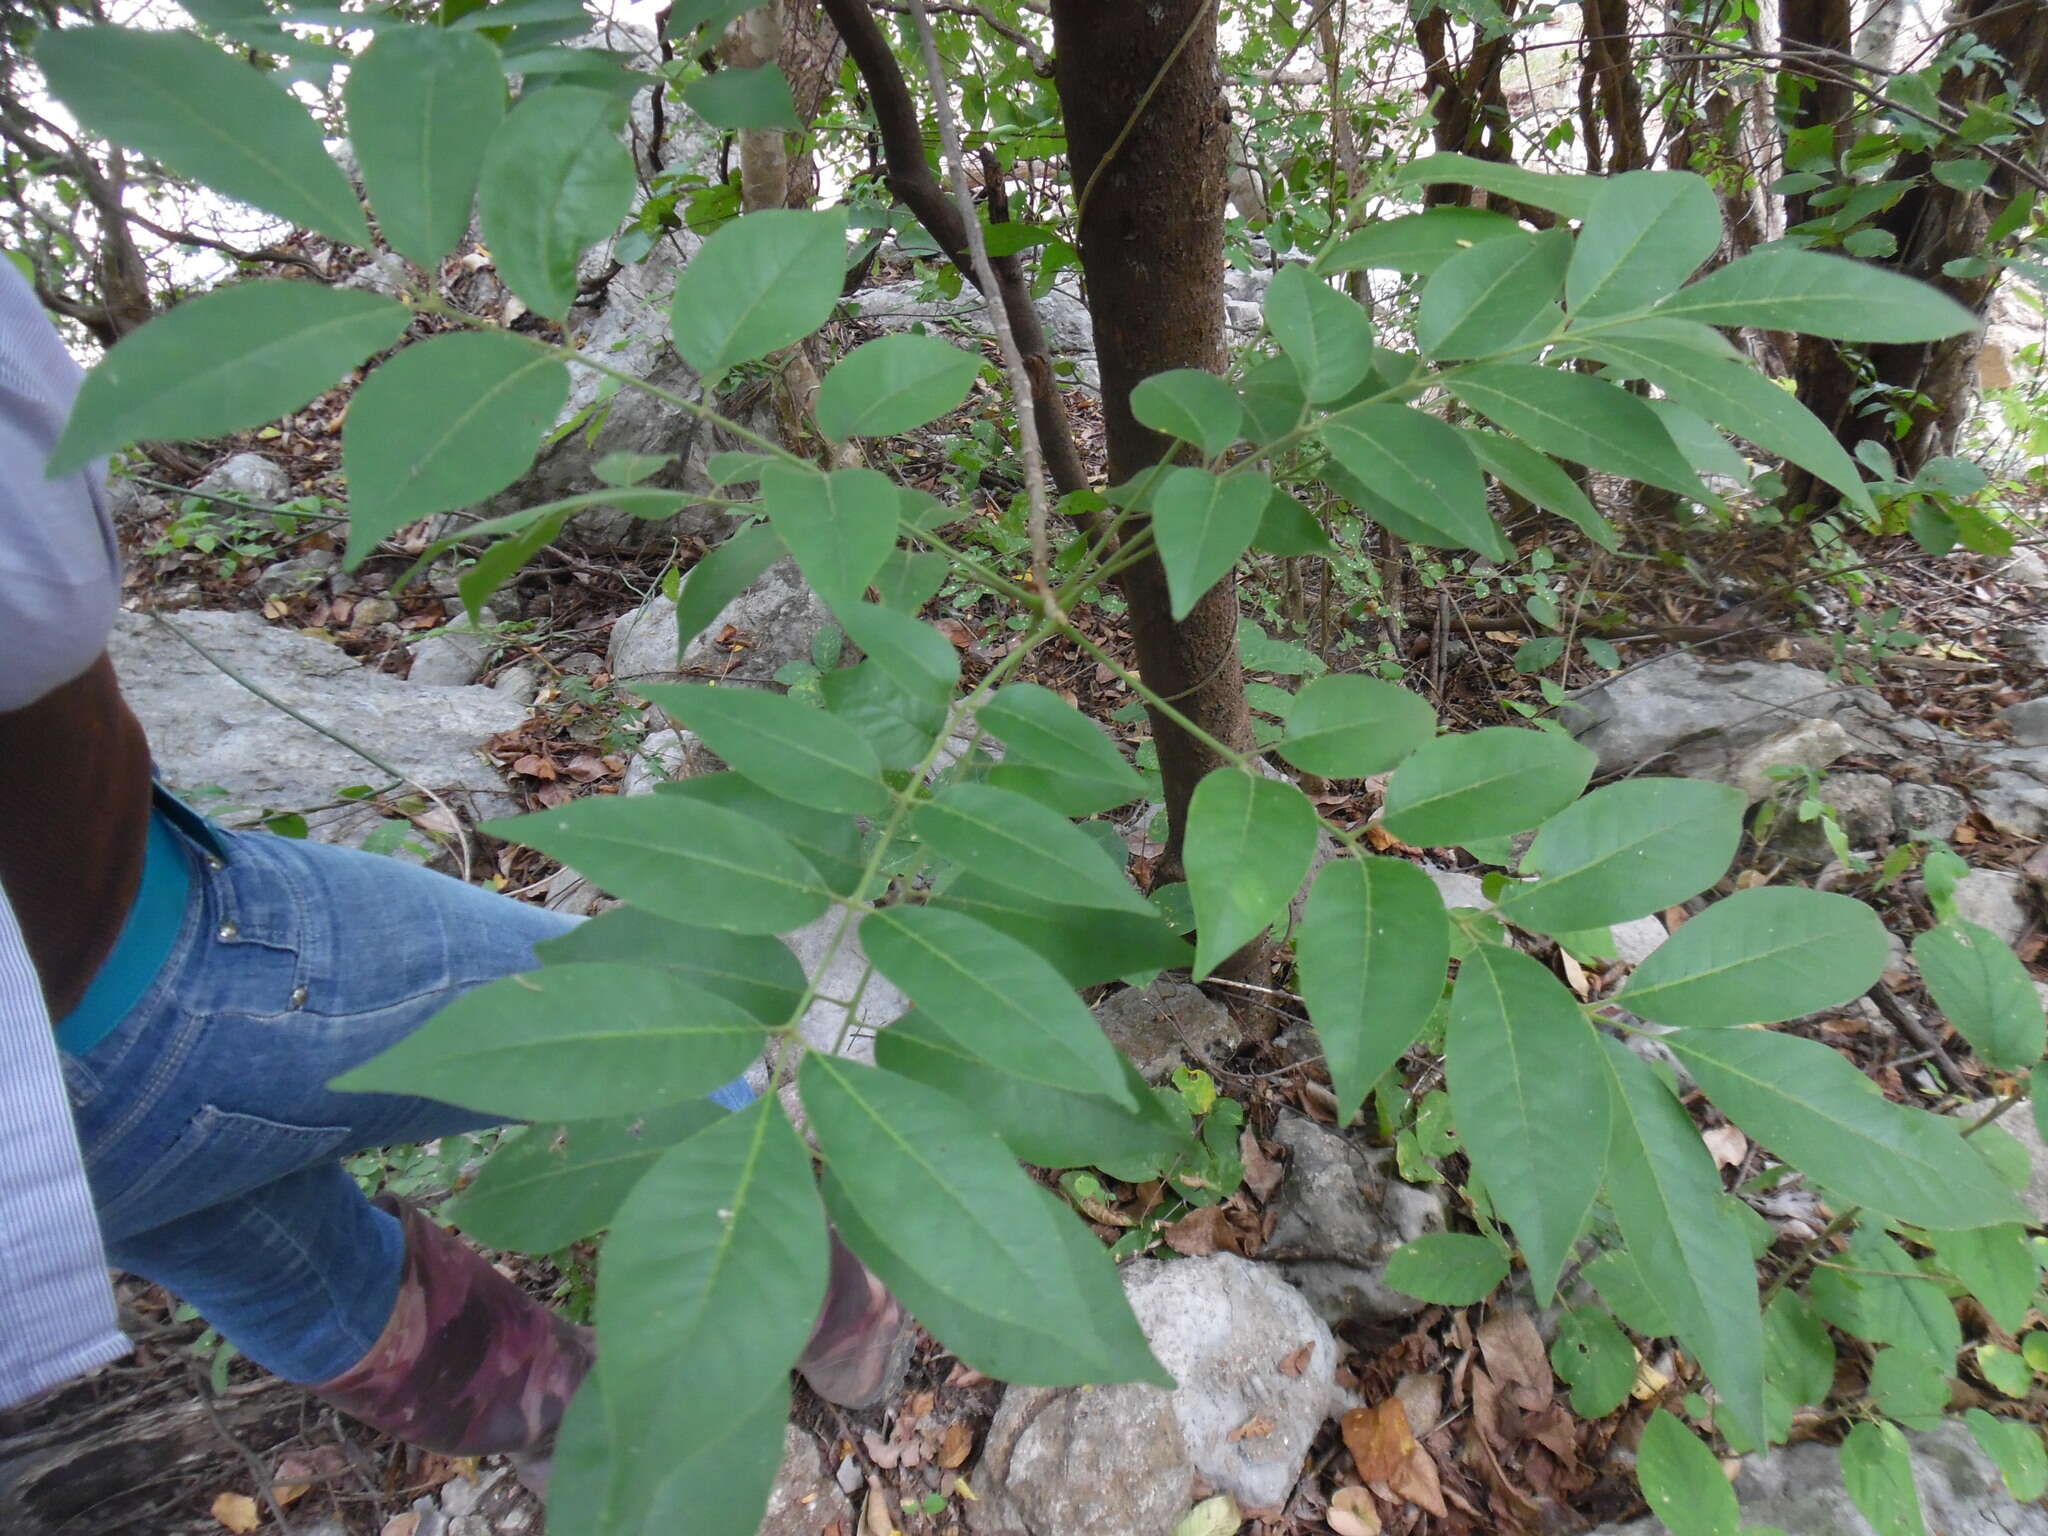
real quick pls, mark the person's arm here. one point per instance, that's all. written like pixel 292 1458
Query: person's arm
pixel 60 565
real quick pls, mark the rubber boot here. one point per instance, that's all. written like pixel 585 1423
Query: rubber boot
pixel 469 1364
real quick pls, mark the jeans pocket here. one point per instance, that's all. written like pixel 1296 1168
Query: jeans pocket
pixel 219 1154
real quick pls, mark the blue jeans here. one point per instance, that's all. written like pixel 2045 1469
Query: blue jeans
pixel 211 1139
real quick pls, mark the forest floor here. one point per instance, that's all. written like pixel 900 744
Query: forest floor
pixel 243 1454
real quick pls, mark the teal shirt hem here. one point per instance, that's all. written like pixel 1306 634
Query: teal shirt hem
pixel 146 940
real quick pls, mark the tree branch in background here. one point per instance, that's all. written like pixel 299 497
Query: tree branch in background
pixel 911 181
pixel 1041 61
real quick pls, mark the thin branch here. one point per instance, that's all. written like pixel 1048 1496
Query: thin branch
pixel 985 280
pixel 1041 61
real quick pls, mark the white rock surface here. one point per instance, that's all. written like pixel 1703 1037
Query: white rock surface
pixel 1994 899
pixel 806 1501
pixel 773 622
pixel 1933 809
pixel 2029 722
pixel 448 658
pixel 1170 1022
pixel 880 1004
pixel 249 476
pixel 207 729
pixel 1799 1489
pixel 1121 1461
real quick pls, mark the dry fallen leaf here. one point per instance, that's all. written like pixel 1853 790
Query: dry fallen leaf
pixel 1201 1232
pixel 1296 1363
pixel 1219 1516
pixel 953 1448
pixel 237 1512
pixel 1262 1175
pixel 1379 1440
pixel 1516 1359
pixel 1353 1512
pixel 407 1524
pixel 876 1519
pixel 1257 1427
pixel 1575 975
pixel 1728 1145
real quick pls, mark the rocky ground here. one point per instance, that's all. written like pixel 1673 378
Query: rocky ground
pixel 279 690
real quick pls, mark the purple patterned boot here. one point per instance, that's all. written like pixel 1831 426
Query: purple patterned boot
pixel 861 1345
pixel 469 1364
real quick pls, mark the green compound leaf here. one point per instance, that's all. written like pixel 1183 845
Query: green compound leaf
pixel 790 749
pixel 1874 1292
pixel 915 656
pixel 1372 952
pixel 236 357
pixel 680 858
pixel 1691 1252
pixel 1486 783
pixel 1086 945
pixel 1985 991
pixel 1450 1269
pixel 840 526
pixel 1519 1057
pixel 1004 837
pixel 1595 1359
pixel 1192 405
pixel 1529 474
pixel 1580 418
pixel 444 424
pixel 715 1271
pixel 1628 849
pixel 178 99
pixel 1327 335
pixel 722 575
pixel 1347 727
pixel 1736 398
pixel 688 15
pixel 1682 1480
pixel 1759 956
pixel 743 100
pixel 1832 296
pixel 1496 296
pixel 756 972
pixel 829 844
pixel 1250 840
pixel 1054 753
pixel 759 283
pixel 1286 527
pixel 1646 233
pixel 1994 1264
pixel 1814 1110
pixel 570 1042
pixel 1049 1127
pixel 423 103
pixel 1416 243
pixel 1877 1468
pixel 997 999
pixel 551 1185
pixel 1799 1360
pixel 923 1189
pixel 1202 524
pixel 1571 196
pixel 556 180
pixel 894 385
pixel 2015 1446
pixel 1422 468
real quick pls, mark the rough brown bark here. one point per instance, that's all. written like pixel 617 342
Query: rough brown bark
pixel 1933 224
pixel 1152 172
pixel 1610 95
pixel 1470 115
pixel 1819 30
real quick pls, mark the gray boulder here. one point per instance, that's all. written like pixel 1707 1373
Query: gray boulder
pixel 2029 722
pixel 1337 1220
pixel 1862 803
pixel 806 1500
pixel 1800 1489
pixel 1680 715
pixel 296 574
pixel 770 624
pixel 2013 794
pixel 1996 900
pixel 1069 330
pixel 208 730
pixel 249 476
pixel 1932 810
pixel 448 658
pixel 1122 1461
pixel 1170 1022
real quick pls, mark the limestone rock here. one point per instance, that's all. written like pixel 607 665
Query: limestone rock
pixel 2029 722
pixel 1681 715
pixel 825 1022
pixel 2028 569
pixel 664 756
pixel 1809 744
pixel 1168 1023
pixel 518 683
pixel 1121 1461
pixel 207 729
pixel 448 658
pixel 806 1500
pixel 1933 810
pixel 770 624
pixel 296 574
pixel 1862 803
pixel 1799 1488
pixel 1339 1217
pixel 2013 794
pixel 386 272
pixel 249 476
pixel 1996 900
pixel 1638 939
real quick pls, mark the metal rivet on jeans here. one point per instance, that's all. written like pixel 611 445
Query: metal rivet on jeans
pixel 215 864
pixel 229 930
pixel 298 997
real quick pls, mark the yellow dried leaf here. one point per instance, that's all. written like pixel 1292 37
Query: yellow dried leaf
pixel 1353 1513
pixel 1219 1516
pixel 237 1512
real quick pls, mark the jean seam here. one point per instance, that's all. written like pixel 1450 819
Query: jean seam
pixel 359 1344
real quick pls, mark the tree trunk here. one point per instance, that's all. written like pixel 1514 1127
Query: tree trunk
pixel 1152 173
pixel 1934 224
pixel 1820 30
